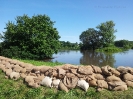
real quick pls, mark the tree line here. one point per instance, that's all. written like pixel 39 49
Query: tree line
pixel 102 37
pixel 36 38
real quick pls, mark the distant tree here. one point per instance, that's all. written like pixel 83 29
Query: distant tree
pixel 124 43
pixel 102 37
pixel 69 45
pixel 106 33
pixel 31 37
pixel 90 39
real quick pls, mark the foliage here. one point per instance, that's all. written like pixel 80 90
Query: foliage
pixel 69 45
pixel 112 49
pixel 100 38
pixel 124 44
pixel 106 32
pixel 34 37
pixel 90 38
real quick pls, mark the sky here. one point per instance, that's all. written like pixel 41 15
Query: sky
pixel 72 17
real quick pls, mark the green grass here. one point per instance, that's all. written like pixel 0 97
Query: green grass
pixel 39 63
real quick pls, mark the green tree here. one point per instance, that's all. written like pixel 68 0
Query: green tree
pixel 34 37
pixel 106 33
pixel 102 37
pixel 90 39
pixel 123 43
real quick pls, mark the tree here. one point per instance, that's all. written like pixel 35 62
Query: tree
pixel 106 33
pixel 123 43
pixel 102 37
pixel 34 37
pixel 68 45
pixel 90 39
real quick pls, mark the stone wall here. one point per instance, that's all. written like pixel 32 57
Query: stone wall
pixel 69 76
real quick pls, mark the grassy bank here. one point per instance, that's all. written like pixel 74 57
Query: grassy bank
pixel 10 89
pixel 39 63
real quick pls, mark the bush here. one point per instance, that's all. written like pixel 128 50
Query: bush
pixel 33 37
pixel 110 49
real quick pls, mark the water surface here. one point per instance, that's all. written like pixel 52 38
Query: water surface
pixel 95 58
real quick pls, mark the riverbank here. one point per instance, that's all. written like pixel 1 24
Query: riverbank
pixel 16 89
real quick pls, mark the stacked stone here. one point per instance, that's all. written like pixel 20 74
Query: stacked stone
pixel 69 76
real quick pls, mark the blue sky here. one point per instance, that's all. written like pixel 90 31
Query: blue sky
pixel 73 16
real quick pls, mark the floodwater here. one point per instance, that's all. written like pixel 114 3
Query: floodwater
pixel 95 58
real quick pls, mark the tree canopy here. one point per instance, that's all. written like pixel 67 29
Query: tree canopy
pixel 30 37
pixel 102 37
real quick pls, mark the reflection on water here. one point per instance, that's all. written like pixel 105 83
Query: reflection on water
pixel 95 58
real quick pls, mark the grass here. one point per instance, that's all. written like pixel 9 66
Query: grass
pixel 39 63
pixel 10 89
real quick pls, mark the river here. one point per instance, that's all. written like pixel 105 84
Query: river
pixel 94 58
